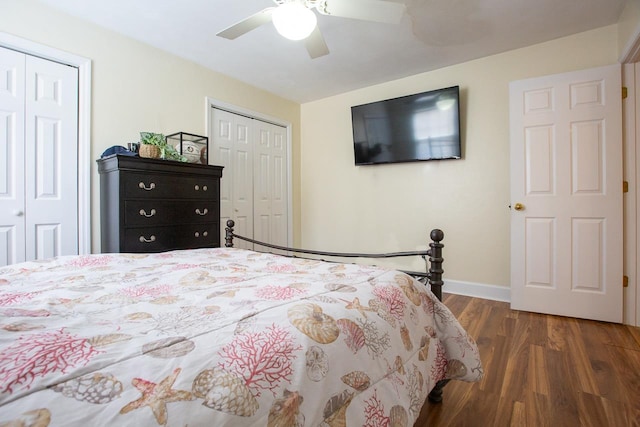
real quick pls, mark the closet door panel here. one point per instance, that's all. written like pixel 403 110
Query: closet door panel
pixel 270 184
pixel 12 210
pixel 51 159
pixel 232 148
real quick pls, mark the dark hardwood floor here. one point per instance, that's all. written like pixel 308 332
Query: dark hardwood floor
pixel 542 370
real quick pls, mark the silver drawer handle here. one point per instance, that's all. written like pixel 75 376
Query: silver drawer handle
pixel 204 234
pixel 197 187
pixel 144 187
pixel 148 215
pixel 204 188
pixel 202 213
pixel 149 240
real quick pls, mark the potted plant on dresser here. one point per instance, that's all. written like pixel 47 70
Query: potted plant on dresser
pixel 154 146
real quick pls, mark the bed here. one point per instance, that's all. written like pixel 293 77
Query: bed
pixel 223 337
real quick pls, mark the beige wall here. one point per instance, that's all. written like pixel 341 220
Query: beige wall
pixel 392 207
pixel 628 28
pixel 136 87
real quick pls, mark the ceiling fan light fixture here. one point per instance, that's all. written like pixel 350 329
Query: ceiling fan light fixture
pixel 294 21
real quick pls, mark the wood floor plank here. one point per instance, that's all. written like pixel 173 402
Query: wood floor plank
pixel 518 414
pixel 557 333
pixel 494 360
pixel 579 356
pixel 538 407
pixel 541 371
pixel 635 333
pixel 627 375
pixel 537 372
pixel 619 414
pixel 563 389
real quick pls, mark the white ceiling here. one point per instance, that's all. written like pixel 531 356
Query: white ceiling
pixel 432 34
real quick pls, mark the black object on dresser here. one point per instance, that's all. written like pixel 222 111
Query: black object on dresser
pixel 149 205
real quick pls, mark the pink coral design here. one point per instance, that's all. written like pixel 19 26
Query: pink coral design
pixel 149 291
pixel 33 356
pixel 263 359
pixel 427 304
pixel 279 293
pixel 374 411
pixel 354 336
pixel 90 261
pixel 15 298
pixel 281 268
pixel 439 367
pixel 185 266
pixel 393 300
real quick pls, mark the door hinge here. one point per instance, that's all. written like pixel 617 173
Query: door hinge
pixel 625 186
pixel 625 281
pixel 624 92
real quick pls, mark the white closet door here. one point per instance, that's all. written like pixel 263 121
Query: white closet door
pixel 38 158
pixel 12 211
pixel 51 159
pixel 233 149
pixel 254 187
pixel 270 183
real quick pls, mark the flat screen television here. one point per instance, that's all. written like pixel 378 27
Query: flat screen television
pixel 423 126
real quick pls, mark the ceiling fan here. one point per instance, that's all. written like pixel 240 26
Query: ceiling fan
pixel 295 19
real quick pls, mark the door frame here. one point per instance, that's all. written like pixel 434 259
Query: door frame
pixel 631 166
pixel 630 55
pixel 83 65
pixel 211 103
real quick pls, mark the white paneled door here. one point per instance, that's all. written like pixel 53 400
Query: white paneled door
pixel 233 149
pixel 566 194
pixel 254 185
pixel 38 158
pixel 270 183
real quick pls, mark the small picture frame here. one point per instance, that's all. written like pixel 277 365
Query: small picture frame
pixel 192 147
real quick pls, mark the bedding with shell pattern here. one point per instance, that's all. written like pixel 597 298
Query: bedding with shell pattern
pixel 221 337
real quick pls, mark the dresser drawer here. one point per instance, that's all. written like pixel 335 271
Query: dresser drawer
pixel 141 212
pixel 138 185
pixel 158 239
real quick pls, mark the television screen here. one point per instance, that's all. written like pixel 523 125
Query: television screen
pixel 423 126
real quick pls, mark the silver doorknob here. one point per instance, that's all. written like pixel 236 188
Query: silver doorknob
pixel 18 213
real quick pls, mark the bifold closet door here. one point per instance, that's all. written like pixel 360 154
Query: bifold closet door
pixel 254 185
pixel 12 183
pixel 39 159
pixel 233 149
pixel 270 183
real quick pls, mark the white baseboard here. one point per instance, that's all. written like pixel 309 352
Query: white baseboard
pixel 477 290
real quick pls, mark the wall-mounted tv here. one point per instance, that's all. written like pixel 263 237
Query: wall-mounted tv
pixel 423 126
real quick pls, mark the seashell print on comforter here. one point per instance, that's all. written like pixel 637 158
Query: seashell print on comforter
pixel 221 337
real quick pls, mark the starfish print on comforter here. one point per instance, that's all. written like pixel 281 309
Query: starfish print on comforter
pixel 156 396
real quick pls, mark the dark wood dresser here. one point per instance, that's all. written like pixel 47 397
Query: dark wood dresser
pixel 149 205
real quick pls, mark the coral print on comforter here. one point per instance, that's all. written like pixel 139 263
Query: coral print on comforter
pixel 220 337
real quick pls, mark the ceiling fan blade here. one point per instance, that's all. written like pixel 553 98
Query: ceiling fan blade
pixel 315 44
pixel 366 10
pixel 248 24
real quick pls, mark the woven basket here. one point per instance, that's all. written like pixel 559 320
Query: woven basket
pixel 149 151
